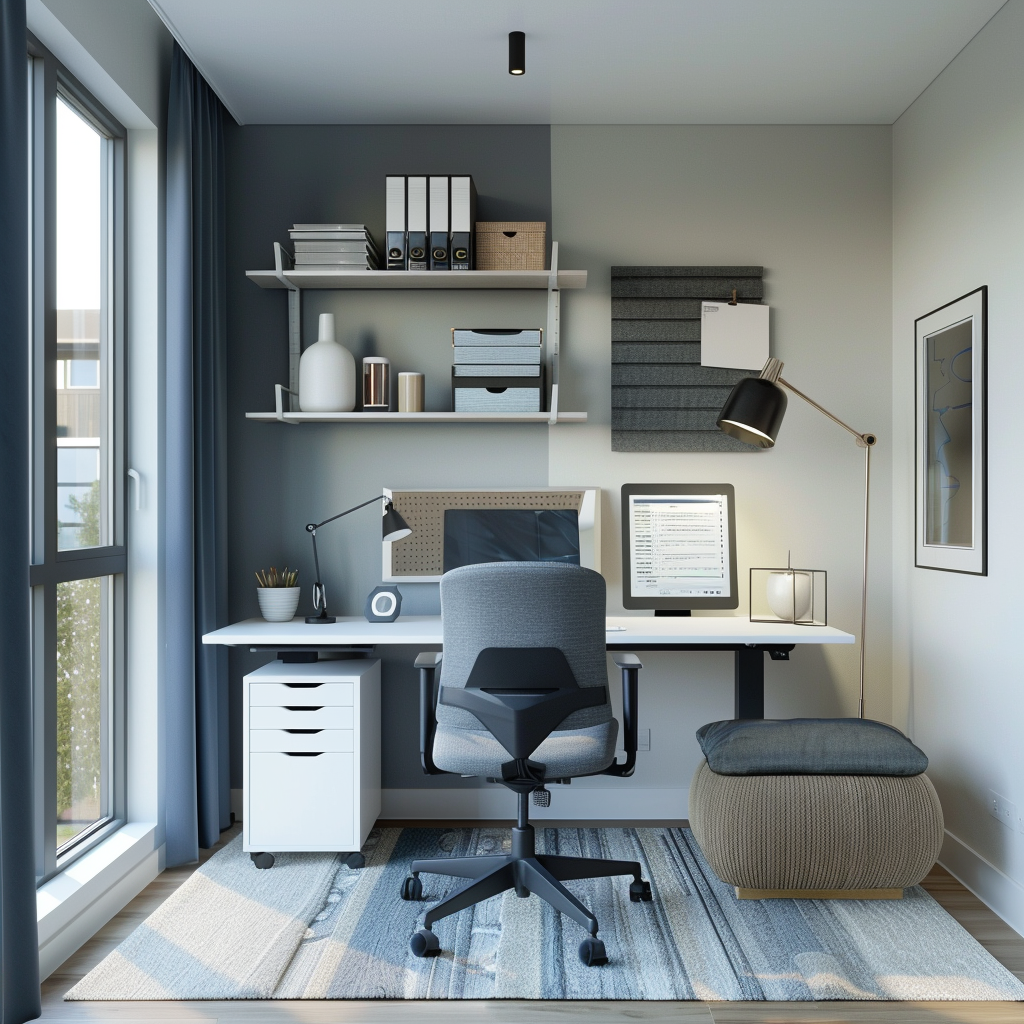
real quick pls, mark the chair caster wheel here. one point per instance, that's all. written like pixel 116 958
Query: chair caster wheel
pixel 355 860
pixel 262 860
pixel 640 891
pixel 592 952
pixel 412 888
pixel 424 943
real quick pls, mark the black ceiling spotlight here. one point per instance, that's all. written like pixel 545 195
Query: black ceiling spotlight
pixel 517 53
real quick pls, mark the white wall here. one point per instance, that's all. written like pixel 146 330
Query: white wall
pixel 958 223
pixel 813 206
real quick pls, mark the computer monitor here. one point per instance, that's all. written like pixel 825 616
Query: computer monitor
pixel 679 547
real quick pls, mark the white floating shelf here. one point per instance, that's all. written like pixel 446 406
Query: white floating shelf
pixel 466 280
pixel 416 417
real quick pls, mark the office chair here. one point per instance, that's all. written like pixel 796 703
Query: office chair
pixel 523 701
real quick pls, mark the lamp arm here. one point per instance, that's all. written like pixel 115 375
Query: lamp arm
pixel 313 527
pixel 864 440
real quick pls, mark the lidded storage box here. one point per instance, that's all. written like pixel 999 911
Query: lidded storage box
pixel 510 245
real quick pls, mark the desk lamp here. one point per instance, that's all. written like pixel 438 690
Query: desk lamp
pixel 753 413
pixel 393 527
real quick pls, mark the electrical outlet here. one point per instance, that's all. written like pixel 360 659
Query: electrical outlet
pixel 643 739
pixel 1002 810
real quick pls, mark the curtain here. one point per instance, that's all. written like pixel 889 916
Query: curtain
pixel 198 804
pixel 19 945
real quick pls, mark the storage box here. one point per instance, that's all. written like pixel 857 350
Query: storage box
pixel 511 245
pixel 498 394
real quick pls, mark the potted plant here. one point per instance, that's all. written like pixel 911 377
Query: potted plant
pixel 277 593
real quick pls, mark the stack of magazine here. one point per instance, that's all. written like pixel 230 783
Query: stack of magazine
pixel 333 247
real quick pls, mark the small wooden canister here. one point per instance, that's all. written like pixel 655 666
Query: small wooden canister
pixel 410 392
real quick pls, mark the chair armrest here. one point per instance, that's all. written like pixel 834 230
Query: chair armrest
pixel 630 665
pixel 427 663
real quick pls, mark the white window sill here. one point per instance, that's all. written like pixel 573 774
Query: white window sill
pixel 77 902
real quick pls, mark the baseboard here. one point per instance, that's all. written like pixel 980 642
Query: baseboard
pixel 567 803
pixel 103 903
pixel 996 890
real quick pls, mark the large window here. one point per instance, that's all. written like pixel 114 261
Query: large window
pixel 78 515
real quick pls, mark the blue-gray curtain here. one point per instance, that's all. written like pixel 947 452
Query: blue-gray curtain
pixel 19 945
pixel 198 803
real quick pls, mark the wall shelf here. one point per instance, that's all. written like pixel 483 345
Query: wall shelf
pixel 295 282
pixel 410 280
pixel 416 417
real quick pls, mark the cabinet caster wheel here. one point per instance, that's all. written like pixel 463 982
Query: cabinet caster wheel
pixel 262 860
pixel 592 952
pixel 412 888
pixel 640 891
pixel 355 860
pixel 424 943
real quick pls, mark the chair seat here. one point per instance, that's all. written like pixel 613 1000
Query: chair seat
pixel 566 752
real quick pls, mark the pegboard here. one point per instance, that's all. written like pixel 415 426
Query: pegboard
pixel 422 552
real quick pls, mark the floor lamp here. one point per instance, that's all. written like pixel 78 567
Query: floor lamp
pixel 753 413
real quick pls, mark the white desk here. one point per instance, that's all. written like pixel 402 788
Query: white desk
pixel 748 640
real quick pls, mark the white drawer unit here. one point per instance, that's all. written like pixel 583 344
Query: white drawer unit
pixel 312 758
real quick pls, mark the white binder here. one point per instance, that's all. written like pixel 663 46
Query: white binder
pixel 417 203
pixel 394 205
pixel 439 203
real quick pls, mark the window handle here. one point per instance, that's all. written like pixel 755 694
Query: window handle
pixel 134 474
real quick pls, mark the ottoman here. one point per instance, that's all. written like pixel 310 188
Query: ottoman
pixel 814 808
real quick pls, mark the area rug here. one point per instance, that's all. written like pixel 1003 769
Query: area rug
pixel 312 928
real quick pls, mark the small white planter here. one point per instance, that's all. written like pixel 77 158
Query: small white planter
pixel 278 604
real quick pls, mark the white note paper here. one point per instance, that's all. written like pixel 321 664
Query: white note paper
pixel 733 336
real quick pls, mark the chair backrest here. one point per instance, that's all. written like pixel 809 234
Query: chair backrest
pixel 524 604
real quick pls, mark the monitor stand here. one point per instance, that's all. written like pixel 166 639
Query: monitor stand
pixel 672 611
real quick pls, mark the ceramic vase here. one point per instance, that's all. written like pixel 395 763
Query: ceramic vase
pixel 278 604
pixel 789 594
pixel 327 373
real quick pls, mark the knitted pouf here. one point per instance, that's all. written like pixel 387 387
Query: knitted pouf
pixel 816 835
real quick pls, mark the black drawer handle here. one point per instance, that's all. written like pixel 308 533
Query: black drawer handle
pixel 304 731
pixel 301 753
pixel 303 707
pixel 303 686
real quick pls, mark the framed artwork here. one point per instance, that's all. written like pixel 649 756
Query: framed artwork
pixel 950 441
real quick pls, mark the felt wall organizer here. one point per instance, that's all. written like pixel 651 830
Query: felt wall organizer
pixel 663 400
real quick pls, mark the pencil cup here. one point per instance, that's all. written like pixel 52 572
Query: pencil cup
pixel 410 392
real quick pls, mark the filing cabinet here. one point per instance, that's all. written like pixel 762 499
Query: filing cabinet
pixel 312 758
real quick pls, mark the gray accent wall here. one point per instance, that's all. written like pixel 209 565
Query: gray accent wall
pixel 280 477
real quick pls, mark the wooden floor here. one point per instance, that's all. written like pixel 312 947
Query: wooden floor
pixel 996 936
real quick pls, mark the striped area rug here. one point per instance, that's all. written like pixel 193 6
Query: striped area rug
pixel 695 940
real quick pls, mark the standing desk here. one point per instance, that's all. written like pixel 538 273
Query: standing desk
pixel 749 641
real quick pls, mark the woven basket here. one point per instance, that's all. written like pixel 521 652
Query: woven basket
pixel 510 245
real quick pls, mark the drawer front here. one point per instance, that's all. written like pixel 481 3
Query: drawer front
pixel 298 717
pixel 321 741
pixel 300 803
pixel 283 695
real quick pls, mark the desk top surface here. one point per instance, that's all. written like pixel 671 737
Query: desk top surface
pixel 623 631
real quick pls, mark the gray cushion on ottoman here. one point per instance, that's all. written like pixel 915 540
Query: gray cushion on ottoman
pixel 809 746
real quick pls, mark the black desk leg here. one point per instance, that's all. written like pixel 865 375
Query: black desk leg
pixel 749 683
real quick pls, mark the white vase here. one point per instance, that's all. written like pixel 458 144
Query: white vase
pixel 789 594
pixel 278 604
pixel 327 373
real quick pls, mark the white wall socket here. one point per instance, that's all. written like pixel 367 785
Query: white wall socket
pixel 1003 810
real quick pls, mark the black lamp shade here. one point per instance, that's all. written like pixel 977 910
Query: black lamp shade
pixel 517 53
pixel 753 412
pixel 393 526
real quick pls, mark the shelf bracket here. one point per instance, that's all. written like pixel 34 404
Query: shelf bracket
pixel 294 324
pixel 551 335
pixel 279 390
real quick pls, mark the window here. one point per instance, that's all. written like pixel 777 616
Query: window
pixel 79 562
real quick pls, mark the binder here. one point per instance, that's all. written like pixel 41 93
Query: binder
pixel 463 217
pixel 394 221
pixel 417 222
pixel 439 223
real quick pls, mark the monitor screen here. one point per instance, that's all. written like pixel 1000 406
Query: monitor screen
pixel 678 546
pixel 473 535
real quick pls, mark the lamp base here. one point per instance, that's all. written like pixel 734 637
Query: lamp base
pixel 320 620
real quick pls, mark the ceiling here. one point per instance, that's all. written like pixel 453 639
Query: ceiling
pixel 587 61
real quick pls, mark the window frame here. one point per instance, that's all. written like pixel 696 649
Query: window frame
pixel 49 80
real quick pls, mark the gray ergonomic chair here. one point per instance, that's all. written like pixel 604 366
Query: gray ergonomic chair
pixel 523 701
